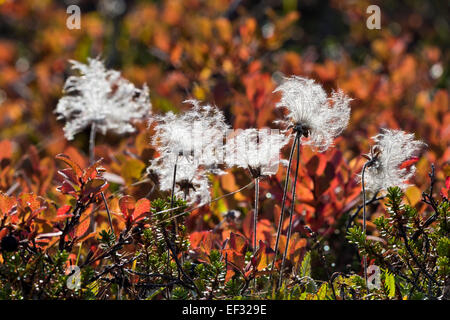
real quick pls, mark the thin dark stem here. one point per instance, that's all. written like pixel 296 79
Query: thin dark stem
pixel 413 256
pixel 91 161
pixel 175 222
pixel 291 213
pixel 77 211
pixel 255 215
pixel 364 217
pixel 172 194
pixel 428 199
pixel 177 262
pixel 359 208
pixel 172 197
pixel 283 203
pixel 92 143
pixel 255 220
pixel 108 212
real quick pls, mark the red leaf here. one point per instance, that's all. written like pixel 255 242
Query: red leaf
pixel 63 210
pixel 203 242
pixel 5 149
pixel 66 188
pixel 127 206
pixel 69 174
pixel 312 165
pixel 238 259
pixel 408 163
pixel 237 242
pixel 94 186
pixel 75 167
pixel 195 238
pixel 445 193
pixel 83 227
pixel 91 171
pixel 142 208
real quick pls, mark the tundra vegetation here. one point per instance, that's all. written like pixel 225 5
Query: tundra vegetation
pixel 223 150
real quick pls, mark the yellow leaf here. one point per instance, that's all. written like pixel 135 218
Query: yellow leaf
pixel 199 93
pixel 413 194
pixel 132 170
pixel 229 184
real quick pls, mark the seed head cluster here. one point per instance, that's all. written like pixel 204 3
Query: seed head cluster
pixel 392 148
pixel 192 142
pixel 102 96
pixel 322 118
pixel 255 150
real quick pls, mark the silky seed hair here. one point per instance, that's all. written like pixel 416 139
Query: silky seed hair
pixel 322 117
pixel 393 147
pixel 102 96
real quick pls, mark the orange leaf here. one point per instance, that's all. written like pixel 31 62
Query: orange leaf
pixel 83 227
pixel 127 206
pixel 263 256
pixel 6 204
pixel 142 208
pixel 63 210
pixel 5 149
pixel 94 186
pixel 91 171
pixel 237 242
pixel 29 200
pixel 75 167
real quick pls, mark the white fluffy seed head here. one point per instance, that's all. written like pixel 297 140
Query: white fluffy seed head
pixel 394 147
pixel 256 150
pixel 309 106
pixel 192 140
pixel 101 96
pixel 198 132
pixel 191 184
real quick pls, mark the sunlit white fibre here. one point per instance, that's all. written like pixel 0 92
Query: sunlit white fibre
pixel 308 105
pixel 394 148
pixel 101 96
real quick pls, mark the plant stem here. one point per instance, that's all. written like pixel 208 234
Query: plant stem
pixel 91 161
pixel 107 211
pixel 283 202
pixel 255 221
pixel 92 143
pixel 364 219
pixel 175 222
pixel 172 197
pixel 177 262
pixel 172 194
pixel 291 213
pixel 255 215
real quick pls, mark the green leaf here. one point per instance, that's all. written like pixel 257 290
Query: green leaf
pixel 305 269
pixel 389 283
pixel 322 293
